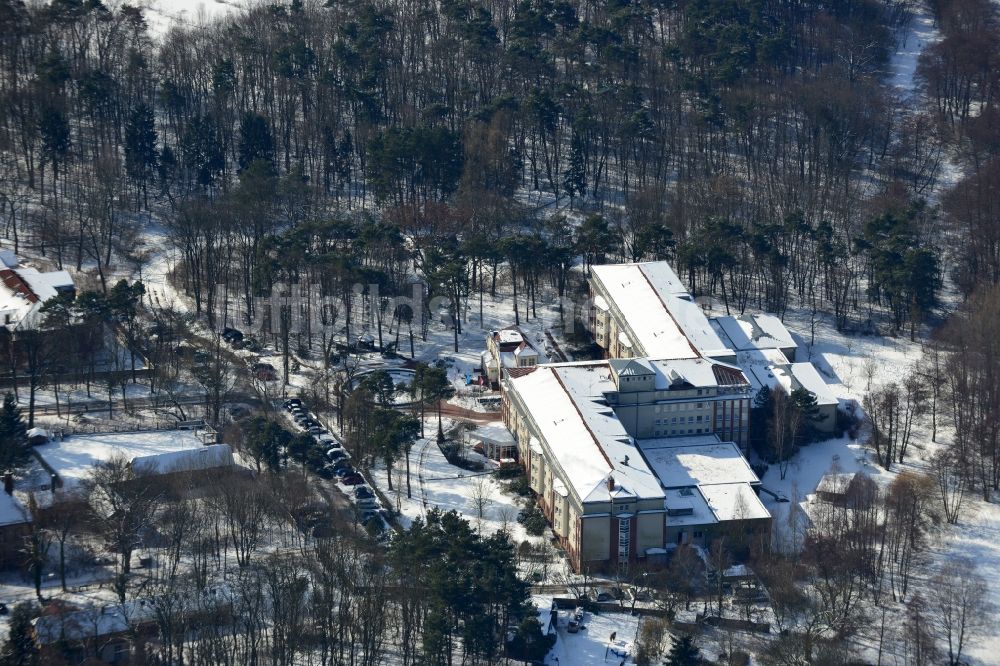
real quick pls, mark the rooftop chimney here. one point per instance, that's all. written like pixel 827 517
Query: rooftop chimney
pixel 8 483
pixel 611 483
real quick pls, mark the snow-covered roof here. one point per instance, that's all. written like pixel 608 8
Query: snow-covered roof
pixel 835 483
pixel 496 433
pixel 583 436
pixel 698 372
pixel 8 259
pixel 73 458
pixel 96 621
pixel 508 336
pixel 24 290
pixel 12 511
pixel 757 331
pixel 734 501
pixel 690 501
pixel 657 311
pixel 204 457
pixel 791 376
pixel 631 367
pixel 643 310
pixel 698 464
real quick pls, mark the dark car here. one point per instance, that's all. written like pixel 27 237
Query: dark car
pixel 325 472
pixel 353 479
pixel 336 454
pixel 346 470
pixel 292 402
pixel 363 492
pixel 231 335
pixel 316 430
pixel 264 372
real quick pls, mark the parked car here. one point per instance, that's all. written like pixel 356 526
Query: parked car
pixel 346 470
pixel 265 372
pixel 326 438
pixel 325 472
pixel 292 403
pixel 232 336
pixel 368 503
pixel 363 492
pixel 336 454
pixel 354 479
pixel 316 430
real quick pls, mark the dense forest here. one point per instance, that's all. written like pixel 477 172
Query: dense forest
pixel 756 144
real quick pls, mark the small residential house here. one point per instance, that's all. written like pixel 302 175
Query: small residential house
pixel 24 290
pixel 15 525
pixel 505 349
pixel 113 634
pixel 844 489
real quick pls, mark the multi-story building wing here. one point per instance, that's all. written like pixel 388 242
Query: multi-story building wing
pixel 643 310
pixel 580 429
pixel 604 503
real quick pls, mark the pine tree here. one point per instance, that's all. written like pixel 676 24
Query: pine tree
pixel 140 145
pixel 684 652
pixel 575 176
pixel 20 650
pixel 13 435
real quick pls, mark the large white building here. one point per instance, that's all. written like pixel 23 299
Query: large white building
pixel 581 432
pixel 643 310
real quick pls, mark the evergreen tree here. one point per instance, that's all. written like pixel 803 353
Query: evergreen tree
pixel 14 450
pixel 256 141
pixel 20 650
pixel 140 145
pixel 575 177
pixel 202 150
pixel 683 652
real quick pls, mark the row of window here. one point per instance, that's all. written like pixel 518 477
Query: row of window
pixel 678 407
pixel 673 420
pixel 682 431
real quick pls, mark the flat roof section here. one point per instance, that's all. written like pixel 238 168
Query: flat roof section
pixel 696 465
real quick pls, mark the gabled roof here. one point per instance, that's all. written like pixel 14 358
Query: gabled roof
pixel 631 367
pixel 652 303
pixel 583 436
pixel 835 483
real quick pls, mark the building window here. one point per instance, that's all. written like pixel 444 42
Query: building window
pixel 697 534
pixel 699 391
pixel 624 538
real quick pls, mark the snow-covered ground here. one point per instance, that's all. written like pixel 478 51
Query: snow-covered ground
pixel 437 483
pixel 161 15
pixel 592 644
pixel 851 365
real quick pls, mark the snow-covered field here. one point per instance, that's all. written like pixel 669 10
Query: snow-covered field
pixel 161 15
